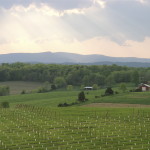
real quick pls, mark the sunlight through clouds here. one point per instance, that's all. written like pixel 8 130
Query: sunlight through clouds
pixel 100 2
pixel 111 27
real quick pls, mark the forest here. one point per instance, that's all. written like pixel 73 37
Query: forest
pixel 76 75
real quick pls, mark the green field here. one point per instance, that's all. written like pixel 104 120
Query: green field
pixel 38 128
pixel 52 99
pixel 16 87
pixel 34 121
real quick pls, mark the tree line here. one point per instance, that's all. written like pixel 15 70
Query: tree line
pixel 77 75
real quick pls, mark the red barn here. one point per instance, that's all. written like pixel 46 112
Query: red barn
pixel 144 87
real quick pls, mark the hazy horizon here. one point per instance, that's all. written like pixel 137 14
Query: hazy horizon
pixel 68 53
pixel 112 28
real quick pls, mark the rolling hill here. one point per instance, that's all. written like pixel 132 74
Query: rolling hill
pixel 72 58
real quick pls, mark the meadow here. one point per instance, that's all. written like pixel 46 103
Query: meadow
pixel 34 121
pixel 52 99
pixel 16 87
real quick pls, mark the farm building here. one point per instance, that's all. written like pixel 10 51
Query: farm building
pixel 88 88
pixel 144 87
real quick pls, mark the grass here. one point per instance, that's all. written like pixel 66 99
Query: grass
pixel 52 99
pixel 74 128
pixel 37 123
pixel 16 87
pixel 127 98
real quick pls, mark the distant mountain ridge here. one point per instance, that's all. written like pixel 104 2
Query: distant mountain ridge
pixel 62 57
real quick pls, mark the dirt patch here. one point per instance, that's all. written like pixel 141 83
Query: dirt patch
pixel 114 105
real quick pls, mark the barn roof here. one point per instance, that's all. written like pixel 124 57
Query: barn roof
pixel 88 87
pixel 142 84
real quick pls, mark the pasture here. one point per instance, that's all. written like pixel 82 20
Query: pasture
pixel 52 99
pixel 34 121
pixel 16 87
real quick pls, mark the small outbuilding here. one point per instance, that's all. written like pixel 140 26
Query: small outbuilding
pixel 144 87
pixel 88 88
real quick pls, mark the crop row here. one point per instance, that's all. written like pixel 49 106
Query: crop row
pixel 38 128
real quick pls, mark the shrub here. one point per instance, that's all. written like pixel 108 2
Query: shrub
pixel 123 87
pixel 66 104
pixel 42 90
pixel 45 88
pixel 138 90
pixel 4 90
pixel 60 105
pixel 69 87
pixel 53 87
pixel 116 92
pixel 5 104
pixel 23 92
pixel 97 96
pixel 109 91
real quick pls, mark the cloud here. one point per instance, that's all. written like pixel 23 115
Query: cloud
pixel 46 25
pixel 130 18
pixel 119 20
pixel 56 4
pixel 9 3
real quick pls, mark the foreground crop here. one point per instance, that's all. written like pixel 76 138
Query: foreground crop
pixel 29 127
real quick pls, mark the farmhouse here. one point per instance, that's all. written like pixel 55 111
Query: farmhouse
pixel 144 87
pixel 88 88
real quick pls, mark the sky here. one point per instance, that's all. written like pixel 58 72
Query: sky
pixel 118 28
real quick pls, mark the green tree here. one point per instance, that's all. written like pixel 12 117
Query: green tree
pixel 110 80
pixel 53 87
pixel 60 82
pixel 95 87
pixel 81 96
pixel 135 77
pixel 121 76
pixel 47 86
pixel 82 87
pixel 109 91
pixel 123 87
pixel 86 80
pixel 147 75
pixel 4 90
pixel 69 87
pixel 100 79
pixel 4 74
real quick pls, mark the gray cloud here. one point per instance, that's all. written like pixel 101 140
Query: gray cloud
pixel 68 4
pixel 9 3
pixel 57 4
pixel 119 21
pixel 130 18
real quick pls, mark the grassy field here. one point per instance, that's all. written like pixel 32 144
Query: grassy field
pixel 34 121
pixel 16 87
pixel 38 128
pixel 52 99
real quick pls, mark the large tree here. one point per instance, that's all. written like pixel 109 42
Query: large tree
pixel 60 82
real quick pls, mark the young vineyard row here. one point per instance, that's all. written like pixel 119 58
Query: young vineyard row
pixel 30 127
